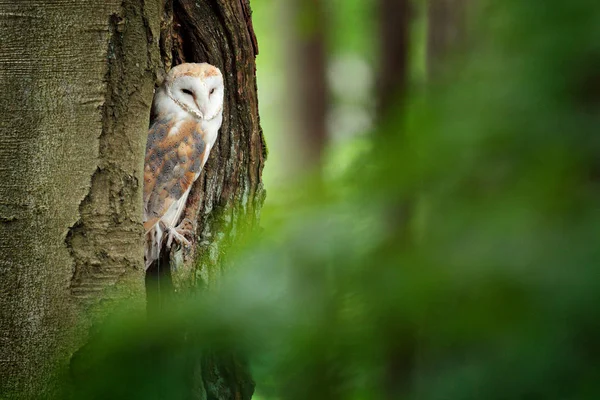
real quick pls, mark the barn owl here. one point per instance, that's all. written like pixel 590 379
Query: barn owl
pixel 188 110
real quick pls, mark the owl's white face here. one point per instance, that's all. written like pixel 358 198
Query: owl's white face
pixel 204 95
pixel 196 89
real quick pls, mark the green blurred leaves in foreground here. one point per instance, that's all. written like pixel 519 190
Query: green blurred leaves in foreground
pixel 493 294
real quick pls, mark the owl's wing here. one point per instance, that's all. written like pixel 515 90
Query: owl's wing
pixel 175 154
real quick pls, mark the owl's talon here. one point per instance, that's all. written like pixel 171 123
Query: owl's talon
pixel 177 234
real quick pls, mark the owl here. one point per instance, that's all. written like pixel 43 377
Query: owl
pixel 188 112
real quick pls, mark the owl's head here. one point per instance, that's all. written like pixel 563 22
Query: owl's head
pixel 197 89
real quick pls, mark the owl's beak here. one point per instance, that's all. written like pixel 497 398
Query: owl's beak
pixel 199 109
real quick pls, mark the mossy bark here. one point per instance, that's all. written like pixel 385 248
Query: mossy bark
pixel 77 80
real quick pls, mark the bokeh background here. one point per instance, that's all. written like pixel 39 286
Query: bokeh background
pixel 432 218
pixel 348 43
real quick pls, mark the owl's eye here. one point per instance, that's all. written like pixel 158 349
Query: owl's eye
pixel 212 91
pixel 186 91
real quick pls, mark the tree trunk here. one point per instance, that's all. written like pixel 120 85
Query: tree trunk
pixel 304 29
pixel 77 83
pixel 395 18
pixel 446 31
pixel 394 27
pixel 226 200
pixel 310 79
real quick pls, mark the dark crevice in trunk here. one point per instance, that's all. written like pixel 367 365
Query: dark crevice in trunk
pixel 159 283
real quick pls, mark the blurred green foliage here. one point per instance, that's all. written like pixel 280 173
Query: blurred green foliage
pixel 493 293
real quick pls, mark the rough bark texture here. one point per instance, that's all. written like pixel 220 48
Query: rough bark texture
pixel 77 81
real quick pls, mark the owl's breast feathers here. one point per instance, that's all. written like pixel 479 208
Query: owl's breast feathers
pixel 174 158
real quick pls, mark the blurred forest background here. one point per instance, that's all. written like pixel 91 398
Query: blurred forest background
pixel 339 68
pixel 431 223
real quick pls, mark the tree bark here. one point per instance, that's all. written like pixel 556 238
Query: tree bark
pixel 227 198
pixel 77 83
pixel 77 80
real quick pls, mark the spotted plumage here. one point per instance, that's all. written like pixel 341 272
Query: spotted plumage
pixel 188 114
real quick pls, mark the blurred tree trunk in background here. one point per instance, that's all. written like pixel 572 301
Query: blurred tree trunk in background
pixel 77 82
pixel 394 24
pixel 446 30
pixel 312 77
pixel 394 32
pixel 392 85
pixel 308 80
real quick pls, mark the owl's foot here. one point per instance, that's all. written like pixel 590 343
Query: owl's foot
pixel 178 233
